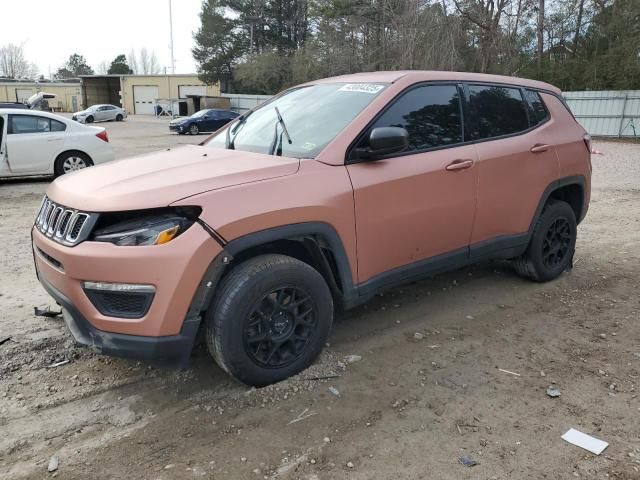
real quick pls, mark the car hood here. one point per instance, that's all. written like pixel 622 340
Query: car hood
pixel 161 178
pixel 178 121
pixel 82 112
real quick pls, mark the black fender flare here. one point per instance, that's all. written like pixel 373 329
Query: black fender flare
pixel 555 185
pixel 302 231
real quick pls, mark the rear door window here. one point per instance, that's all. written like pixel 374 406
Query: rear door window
pixel 496 111
pixel 28 124
pixel 431 115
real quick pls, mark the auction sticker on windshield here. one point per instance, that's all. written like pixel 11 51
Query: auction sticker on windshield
pixel 361 87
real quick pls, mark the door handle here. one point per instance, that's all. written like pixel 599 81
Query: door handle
pixel 55 139
pixel 460 164
pixel 540 147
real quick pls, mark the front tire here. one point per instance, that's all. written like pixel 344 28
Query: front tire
pixel 89 119
pixel 269 319
pixel 119 117
pixel 70 162
pixel 194 130
pixel 552 245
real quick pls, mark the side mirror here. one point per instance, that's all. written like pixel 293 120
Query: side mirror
pixel 384 141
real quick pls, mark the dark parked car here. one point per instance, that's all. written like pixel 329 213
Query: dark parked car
pixel 208 120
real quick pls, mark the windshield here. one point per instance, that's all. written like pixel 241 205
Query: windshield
pixel 199 113
pixel 313 116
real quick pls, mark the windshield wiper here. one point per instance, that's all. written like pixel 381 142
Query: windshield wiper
pixel 229 142
pixel 276 145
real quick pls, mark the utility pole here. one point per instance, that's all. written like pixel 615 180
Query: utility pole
pixel 173 62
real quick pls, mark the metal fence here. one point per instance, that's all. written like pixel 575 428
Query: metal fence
pixel 242 102
pixel 607 113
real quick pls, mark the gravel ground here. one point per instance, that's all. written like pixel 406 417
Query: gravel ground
pixel 407 406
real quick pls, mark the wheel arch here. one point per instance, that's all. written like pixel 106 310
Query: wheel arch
pixel 569 189
pixel 315 243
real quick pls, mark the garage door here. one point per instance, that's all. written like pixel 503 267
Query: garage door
pixel 184 90
pixel 144 96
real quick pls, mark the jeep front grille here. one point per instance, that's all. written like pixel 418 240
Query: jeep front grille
pixel 64 225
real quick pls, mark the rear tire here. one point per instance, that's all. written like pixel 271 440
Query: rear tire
pixel 269 320
pixel 89 119
pixel 550 251
pixel 71 161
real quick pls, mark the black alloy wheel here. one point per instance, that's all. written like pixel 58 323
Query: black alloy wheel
pixel 556 243
pixel 269 319
pixel 279 327
pixel 552 244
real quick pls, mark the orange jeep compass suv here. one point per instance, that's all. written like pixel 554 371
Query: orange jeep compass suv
pixel 316 200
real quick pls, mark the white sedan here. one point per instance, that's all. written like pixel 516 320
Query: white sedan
pixel 41 143
pixel 100 113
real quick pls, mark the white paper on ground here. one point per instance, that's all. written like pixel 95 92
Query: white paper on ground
pixel 585 441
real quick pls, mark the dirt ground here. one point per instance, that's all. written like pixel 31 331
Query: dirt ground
pixel 407 409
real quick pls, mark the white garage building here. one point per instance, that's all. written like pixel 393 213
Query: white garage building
pixel 139 94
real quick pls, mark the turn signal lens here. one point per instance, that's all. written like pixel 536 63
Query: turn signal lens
pixel 167 235
pixel 153 230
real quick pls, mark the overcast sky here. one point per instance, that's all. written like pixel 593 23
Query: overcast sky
pixel 51 30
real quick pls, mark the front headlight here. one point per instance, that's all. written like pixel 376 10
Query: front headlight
pixel 149 230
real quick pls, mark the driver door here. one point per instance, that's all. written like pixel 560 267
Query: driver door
pixel 31 144
pixel 4 164
pixel 415 209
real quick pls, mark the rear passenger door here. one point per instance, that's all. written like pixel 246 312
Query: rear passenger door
pixel 516 161
pixel 109 112
pixel 420 203
pixel 102 113
pixel 225 117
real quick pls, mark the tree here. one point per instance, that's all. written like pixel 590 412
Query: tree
pixel 63 73
pixel 119 66
pixel 266 45
pixel 144 62
pixel 485 16
pixel 148 62
pixel 13 63
pixel 132 61
pixel 75 66
pixel 540 36
pixel 102 68
pixel 219 44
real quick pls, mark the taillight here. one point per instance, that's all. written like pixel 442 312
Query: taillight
pixel 587 141
pixel 103 136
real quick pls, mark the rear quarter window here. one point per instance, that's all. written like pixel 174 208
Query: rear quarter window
pixel 538 112
pixel 496 111
pixel 57 126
